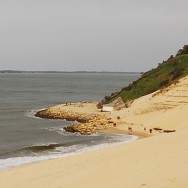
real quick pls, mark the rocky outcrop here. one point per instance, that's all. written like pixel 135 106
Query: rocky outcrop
pixel 96 123
pixel 49 113
pixel 88 123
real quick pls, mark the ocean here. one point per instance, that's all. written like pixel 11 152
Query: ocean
pixel 25 139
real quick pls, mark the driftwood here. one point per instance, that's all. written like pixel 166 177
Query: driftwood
pixel 169 131
pixel 157 129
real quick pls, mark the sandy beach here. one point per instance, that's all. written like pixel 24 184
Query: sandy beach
pixel 159 160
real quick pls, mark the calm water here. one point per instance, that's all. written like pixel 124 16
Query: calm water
pixel 25 139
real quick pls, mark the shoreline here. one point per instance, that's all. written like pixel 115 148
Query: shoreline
pixel 71 171
pixel 78 117
pixel 45 158
pixel 140 135
pixel 160 160
pixel 40 158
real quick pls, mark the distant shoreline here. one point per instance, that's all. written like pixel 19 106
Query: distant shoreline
pixel 56 72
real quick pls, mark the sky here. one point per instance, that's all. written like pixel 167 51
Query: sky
pixel 90 35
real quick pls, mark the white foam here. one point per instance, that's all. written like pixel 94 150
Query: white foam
pixel 32 113
pixel 59 153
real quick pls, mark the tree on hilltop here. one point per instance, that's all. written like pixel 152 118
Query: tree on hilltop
pixel 182 51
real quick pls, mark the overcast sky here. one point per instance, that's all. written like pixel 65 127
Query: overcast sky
pixel 92 35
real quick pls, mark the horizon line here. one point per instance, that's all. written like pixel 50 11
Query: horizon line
pixel 24 71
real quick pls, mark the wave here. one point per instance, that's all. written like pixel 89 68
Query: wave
pixel 61 131
pixel 41 148
pixel 59 151
pixel 32 113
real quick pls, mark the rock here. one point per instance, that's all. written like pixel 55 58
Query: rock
pixel 89 123
pixel 70 129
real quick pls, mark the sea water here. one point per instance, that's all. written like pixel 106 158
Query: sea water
pixel 25 138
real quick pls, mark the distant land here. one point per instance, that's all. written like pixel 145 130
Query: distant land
pixel 55 72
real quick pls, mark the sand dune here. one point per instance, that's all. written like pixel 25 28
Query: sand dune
pixel 166 109
pixel 157 161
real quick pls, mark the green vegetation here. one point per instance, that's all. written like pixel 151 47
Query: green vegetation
pixel 165 74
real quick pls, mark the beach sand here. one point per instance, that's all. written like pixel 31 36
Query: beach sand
pixel 159 160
